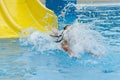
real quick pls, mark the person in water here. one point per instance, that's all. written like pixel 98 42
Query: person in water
pixel 64 38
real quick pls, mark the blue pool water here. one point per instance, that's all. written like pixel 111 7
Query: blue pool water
pixel 37 57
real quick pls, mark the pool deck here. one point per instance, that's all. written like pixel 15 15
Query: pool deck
pixel 92 1
pixel 86 1
pixel 98 2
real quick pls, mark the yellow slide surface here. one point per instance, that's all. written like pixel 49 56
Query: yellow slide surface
pixel 17 15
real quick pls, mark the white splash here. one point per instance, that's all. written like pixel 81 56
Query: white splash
pixel 39 41
pixel 83 39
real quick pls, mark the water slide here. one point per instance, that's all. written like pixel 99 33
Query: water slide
pixel 17 15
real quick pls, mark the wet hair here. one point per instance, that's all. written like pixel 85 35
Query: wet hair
pixel 66 27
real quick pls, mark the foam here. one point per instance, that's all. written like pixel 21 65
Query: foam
pixel 83 39
pixel 39 41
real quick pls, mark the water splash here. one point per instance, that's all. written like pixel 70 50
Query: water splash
pixel 102 19
pixel 83 39
pixel 67 15
pixel 39 41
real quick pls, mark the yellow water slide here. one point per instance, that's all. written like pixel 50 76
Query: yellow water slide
pixel 17 15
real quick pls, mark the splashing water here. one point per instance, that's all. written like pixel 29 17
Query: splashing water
pixel 39 41
pixel 102 21
pixel 83 39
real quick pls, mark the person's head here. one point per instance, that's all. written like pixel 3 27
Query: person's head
pixel 66 27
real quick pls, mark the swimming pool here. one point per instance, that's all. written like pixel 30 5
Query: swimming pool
pixel 41 59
